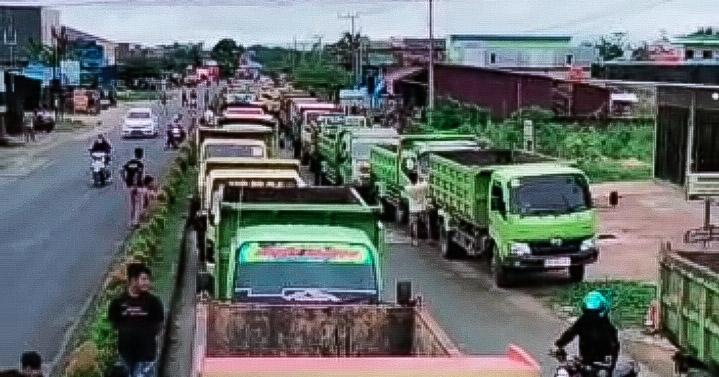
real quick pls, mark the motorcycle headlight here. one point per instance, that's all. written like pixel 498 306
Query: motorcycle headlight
pixel 588 244
pixel 561 372
pixel 520 249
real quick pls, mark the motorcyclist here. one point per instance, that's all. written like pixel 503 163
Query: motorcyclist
pixel 102 145
pixel 171 138
pixel 598 337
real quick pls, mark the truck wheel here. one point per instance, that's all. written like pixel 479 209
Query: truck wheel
pixel 501 273
pixel 446 246
pixel 576 273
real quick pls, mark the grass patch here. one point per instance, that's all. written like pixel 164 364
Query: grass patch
pixel 629 299
pixel 613 170
pixel 156 243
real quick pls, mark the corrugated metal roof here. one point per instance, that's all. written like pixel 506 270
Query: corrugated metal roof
pixel 510 37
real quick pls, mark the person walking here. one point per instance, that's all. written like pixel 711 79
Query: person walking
pixel 28 122
pixel 137 315
pixel 417 204
pixel 133 174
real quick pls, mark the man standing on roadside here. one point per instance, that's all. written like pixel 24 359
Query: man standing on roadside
pixel 132 173
pixel 30 364
pixel 137 315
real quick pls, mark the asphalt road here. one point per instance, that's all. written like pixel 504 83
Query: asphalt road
pixel 58 236
pixel 480 318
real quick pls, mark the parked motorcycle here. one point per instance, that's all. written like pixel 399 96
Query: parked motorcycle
pixel 99 168
pixel 574 366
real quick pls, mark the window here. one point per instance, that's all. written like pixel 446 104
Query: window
pixel 569 59
pixel 707 54
pixel 492 58
pixel 497 202
pixel 689 54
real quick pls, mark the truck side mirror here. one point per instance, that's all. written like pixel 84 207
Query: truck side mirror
pixel 205 283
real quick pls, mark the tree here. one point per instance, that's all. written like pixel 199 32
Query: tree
pixel 641 53
pixel 343 49
pixel 38 52
pixel 611 46
pixel 226 52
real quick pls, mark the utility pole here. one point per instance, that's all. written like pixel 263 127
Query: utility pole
pixel 430 83
pixel 352 17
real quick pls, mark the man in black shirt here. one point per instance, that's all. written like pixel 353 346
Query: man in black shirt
pixel 137 315
pixel 132 173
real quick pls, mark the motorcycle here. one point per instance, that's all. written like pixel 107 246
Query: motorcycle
pixel 575 367
pixel 99 168
pixel 175 137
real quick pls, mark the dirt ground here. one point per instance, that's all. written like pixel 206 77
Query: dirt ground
pixel 630 234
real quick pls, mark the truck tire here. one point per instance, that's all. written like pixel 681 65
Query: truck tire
pixel 576 273
pixel 502 278
pixel 447 248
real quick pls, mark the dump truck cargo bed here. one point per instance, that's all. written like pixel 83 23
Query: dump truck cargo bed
pixel 689 302
pixel 459 180
pixel 333 340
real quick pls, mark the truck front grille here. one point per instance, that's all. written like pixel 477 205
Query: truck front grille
pixel 567 246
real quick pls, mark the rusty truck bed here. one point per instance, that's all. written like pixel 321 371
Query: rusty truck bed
pixel 336 340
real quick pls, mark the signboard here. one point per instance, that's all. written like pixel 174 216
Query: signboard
pixel 254 252
pixel 69 72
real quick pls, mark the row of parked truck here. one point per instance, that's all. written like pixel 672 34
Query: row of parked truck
pixel 290 275
pixel 520 210
pixel 293 273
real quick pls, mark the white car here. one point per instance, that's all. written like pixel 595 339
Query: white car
pixel 140 122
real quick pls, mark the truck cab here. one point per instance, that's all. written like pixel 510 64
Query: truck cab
pixel 294 244
pixel 541 217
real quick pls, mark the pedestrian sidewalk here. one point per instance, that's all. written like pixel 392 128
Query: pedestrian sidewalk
pixel 19 159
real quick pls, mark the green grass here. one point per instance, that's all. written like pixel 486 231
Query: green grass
pixel 629 299
pixel 613 171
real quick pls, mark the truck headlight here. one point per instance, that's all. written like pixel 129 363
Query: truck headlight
pixel 588 244
pixel 520 249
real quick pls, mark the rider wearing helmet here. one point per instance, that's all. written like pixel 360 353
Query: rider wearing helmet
pixel 597 335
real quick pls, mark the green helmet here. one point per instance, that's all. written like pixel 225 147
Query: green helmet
pixel 594 301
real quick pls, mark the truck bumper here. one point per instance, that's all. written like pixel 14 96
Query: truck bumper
pixel 551 262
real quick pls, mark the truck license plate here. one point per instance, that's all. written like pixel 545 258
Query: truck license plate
pixel 558 262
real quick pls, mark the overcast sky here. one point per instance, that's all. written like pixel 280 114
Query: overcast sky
pixel 278 21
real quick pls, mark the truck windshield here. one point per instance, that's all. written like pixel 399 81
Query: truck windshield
pixel 228 150
pixel 550 195
pixel 268 269
pixel 361 148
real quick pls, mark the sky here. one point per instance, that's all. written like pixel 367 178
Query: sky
pixel 278 22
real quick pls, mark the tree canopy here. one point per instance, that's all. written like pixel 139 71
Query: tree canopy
pixel 227 52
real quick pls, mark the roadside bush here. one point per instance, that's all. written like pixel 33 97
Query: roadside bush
pixel 84 362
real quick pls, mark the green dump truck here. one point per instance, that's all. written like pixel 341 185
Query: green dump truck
pixel 524 211
pixel 345 154
pixel 309 244
pixel 392 166
pixel 689 307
